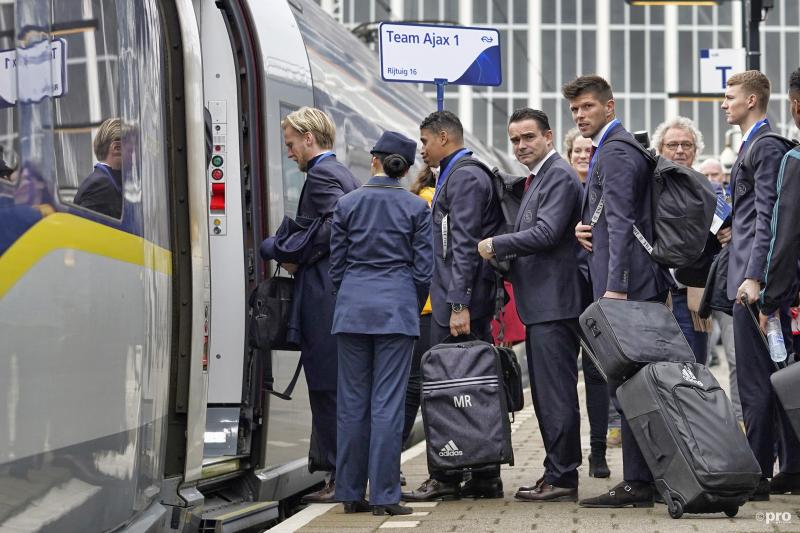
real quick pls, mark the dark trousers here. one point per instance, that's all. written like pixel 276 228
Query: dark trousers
pixel 764 419
pixel 414 389
pixel 698 340
pixel 597 402
pixel 373 373
pixel 322 450
pixel 552 349
pixel 482 329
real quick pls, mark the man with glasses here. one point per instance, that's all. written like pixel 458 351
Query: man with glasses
pixel 680 141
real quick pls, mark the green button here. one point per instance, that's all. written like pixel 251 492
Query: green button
pixel 216 160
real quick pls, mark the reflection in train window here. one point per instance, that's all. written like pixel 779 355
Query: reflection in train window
pixel 88 139
pixel 9 132
pixel 293 178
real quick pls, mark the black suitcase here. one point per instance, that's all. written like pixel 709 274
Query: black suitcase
pixel 625 335
pixel 687 431
pixel 464 406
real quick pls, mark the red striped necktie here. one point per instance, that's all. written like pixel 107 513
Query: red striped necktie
pixel 528 181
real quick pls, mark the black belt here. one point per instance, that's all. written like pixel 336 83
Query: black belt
pixel 678 291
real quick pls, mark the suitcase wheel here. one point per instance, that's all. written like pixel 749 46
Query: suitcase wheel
pixel 731 511
pixel 675 508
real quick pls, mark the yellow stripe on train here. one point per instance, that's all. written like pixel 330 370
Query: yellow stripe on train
pixel 65 231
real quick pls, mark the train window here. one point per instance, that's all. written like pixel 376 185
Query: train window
pixel 293 178
pixel 88 131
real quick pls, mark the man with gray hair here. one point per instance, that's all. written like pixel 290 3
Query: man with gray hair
pixel 680 141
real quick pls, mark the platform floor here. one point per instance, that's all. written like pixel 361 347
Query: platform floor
pixel 510 515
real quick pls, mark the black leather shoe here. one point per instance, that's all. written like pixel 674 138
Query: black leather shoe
pixel 432 489
pixel 546 492
pixel 392 510
pixel 626 494
pixel 360 506
pixel 598 467
pixel 762 491
pixel 483 488
pixel 528 488
pixel 784 482
pixel 324 495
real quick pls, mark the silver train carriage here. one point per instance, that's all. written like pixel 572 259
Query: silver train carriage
pixel 130 398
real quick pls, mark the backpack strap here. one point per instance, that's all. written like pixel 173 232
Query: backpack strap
pixel 748 156
pixel 287 394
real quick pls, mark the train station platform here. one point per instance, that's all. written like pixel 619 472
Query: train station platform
pixel 780 514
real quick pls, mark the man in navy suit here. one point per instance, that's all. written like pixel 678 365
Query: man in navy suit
pixel 308 134
pixel 616 198
pixel 753 187
pixel 101 191
pixel 465 211
pixel 548 285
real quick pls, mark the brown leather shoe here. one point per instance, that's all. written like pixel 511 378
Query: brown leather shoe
pixel 324 495
pixel 548 493
pixel 529 488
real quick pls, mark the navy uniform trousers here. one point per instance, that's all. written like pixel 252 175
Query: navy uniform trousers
pixel 552 349
pixel 373 374
pixel 764 419
pixel 482 329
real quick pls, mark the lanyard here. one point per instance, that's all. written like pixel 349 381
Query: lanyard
pixel 108 174
pixel 320 157
pixel 755 128
pixel 611 126
pixel 443 174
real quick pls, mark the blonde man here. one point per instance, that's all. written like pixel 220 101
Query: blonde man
pixel 101 191
pixel 309 134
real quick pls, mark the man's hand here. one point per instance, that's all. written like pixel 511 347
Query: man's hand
pixel 459 323
pixel 724 236
pixel 616 295
pixel 486 249
pixel 762 322
pixel 583 232
pixel 747 293
pixel 291 268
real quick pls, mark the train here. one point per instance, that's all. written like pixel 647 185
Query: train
pixel 130 396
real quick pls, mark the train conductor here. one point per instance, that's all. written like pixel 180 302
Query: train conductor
pixel 381 267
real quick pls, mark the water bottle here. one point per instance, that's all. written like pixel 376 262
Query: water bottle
pixel 777 350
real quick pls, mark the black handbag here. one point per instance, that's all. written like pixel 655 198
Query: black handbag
pixel 270 309
pixel 715 296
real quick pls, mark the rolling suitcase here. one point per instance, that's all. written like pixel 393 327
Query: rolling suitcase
pixel 464 406
pixel 688 434
pixel 621 336
pixel 785 382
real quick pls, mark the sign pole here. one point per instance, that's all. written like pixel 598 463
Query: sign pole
pixel 440 83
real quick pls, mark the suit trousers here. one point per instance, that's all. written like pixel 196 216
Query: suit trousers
pixel 597 403
pixel 482 329
pixel 552 349
pixel 322 450
pixel 373 373
pixel 764 418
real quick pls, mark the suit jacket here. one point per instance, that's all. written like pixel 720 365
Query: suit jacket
pixel 101 192
pixel 544 252
pixel 618 262
pixel 754 197
pixel 381 259
pixel 327 180
pixel 460 275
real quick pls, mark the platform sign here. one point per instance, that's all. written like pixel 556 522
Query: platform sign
pixel 426 53
pixel 717 65
pixel 45 72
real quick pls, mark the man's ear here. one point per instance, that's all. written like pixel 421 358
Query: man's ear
pixel 444 137
pixel 752 101
pixel 308 138
pixel 610 106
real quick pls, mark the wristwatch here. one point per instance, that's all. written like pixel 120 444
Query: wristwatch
pixel 457 308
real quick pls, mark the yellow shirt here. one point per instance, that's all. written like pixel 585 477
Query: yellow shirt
pixel 427 194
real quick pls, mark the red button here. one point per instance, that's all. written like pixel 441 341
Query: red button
pixel 216 174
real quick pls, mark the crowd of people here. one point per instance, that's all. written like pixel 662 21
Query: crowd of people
pixel 407 270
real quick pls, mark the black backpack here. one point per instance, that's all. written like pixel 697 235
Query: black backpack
pixel 683 208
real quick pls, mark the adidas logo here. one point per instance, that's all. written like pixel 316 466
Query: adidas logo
pixel 450 449
pixel 689 376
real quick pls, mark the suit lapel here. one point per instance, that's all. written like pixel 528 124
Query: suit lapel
pixel 537 181
pixel 737 165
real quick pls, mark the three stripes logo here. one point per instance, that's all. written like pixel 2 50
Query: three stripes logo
pixel 450 449
pixel 689 376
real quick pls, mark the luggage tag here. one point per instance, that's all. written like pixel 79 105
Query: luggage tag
pixel 721 213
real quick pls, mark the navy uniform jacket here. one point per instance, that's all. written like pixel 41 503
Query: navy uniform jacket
pixel 754 196
pixel 548 284
pixel 381 259
pixel 101 191
pixel 618 261
pixel 327 180
pixel 782 260
pixel 462 276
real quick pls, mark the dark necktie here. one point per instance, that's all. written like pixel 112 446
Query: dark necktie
pixel 528 181
pixel 741 146
pixel 591 152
